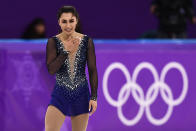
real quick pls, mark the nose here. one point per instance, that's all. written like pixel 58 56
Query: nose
pixel 68 25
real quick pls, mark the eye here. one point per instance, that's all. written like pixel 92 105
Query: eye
pixel 71 21
pixel 64 21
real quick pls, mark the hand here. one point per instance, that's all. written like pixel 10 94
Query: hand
pixel 71 44
pixel 94 106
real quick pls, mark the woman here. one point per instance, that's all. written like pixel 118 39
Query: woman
pixel 67 54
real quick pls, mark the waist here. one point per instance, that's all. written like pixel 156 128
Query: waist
pixel 72 84
pixel 66 93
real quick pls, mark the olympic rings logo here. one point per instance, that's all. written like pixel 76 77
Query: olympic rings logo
pixel 131 87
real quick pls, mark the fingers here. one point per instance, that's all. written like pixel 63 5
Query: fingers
pixel 76 40
pixel 93 110
pixel 94 107
pixel 72 44
pixel 89 106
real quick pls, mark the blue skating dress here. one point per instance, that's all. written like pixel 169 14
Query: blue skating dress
pixel 71 93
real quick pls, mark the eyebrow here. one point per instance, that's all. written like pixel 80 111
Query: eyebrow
pixel 69 19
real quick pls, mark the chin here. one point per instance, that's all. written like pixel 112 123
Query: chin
pixel 68 33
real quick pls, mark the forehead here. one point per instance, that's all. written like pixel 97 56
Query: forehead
pixel 67 16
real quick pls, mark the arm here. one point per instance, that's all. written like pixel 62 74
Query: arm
pixel 92 69
pixel 53 61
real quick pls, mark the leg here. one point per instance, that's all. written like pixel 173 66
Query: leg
pixel 79 122
pixel 53 119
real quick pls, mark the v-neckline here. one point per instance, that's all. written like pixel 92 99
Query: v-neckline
pixel 60 41
pixel 74 63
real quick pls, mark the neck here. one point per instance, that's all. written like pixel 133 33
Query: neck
pixel 67 36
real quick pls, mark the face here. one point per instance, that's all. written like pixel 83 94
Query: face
pixel 68 23
pixel 40 28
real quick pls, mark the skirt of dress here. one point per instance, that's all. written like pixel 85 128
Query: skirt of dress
pixel 71 102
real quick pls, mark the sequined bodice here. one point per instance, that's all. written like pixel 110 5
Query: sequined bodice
pixel 72 72
pixel 69 67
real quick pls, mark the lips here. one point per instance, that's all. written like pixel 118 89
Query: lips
pixel 68 30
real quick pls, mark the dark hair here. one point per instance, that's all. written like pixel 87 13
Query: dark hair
pixel 70 9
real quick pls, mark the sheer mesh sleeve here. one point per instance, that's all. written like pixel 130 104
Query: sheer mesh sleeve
pixel 92 69
pixel 54 61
